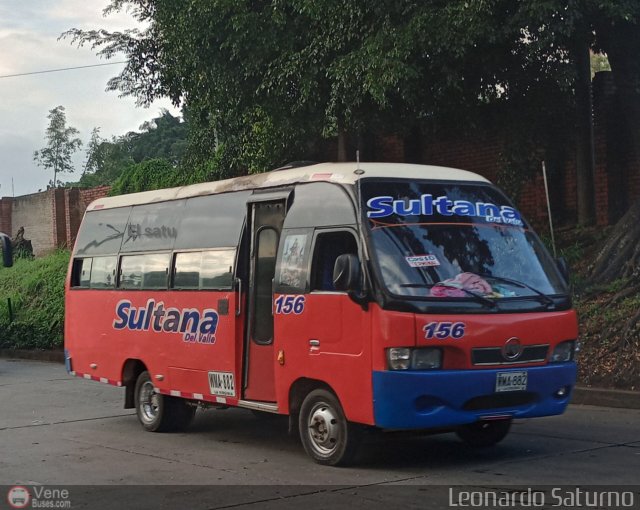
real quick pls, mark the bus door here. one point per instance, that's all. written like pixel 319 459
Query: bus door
pixel 338 327
pixel 266 213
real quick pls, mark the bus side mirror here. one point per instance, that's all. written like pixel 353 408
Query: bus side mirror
pixel 563 267
pixel 7 256
pixel 346 273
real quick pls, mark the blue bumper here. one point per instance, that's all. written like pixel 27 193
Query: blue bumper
pixel 447 398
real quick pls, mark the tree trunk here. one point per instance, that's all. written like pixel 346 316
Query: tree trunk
pixel 620 255
pixel 342 145
pixel 622 45
pixel 585 160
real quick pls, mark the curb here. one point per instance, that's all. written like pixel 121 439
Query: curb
pixel 52 356
pixel 582 395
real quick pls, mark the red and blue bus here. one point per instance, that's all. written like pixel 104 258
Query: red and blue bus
pixel 346 296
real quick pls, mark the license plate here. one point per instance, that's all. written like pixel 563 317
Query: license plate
pixel 222 383
pixel 511 381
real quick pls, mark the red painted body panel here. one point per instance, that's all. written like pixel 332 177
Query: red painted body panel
pixel 90 338
pixel 351 343
pixel 398 329
pixel 342 358
pixel 494 330
pixel 261 384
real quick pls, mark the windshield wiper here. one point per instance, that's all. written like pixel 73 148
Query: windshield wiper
pixel 522 285
pixel 478 297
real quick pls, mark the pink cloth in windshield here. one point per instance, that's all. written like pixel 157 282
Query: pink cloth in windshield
pixel 453 286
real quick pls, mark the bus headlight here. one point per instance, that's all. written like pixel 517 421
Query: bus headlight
pixel 404 358
pixel 399 358
pixel 564 351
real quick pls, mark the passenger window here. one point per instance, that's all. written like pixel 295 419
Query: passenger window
pixel 81 273
pixel 187 270
pixel 217 269
pixel 147 271
pixel 327 249
pixel 204 270
pixel 103 272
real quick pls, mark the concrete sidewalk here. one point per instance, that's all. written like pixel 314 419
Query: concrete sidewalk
pixel 582 395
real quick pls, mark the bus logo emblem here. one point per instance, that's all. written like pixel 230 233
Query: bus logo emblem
pixel 512 349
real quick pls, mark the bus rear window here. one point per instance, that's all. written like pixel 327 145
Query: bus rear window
pixel 94 272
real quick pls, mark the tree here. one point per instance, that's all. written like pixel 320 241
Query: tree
pixel 163 137
pixel 268 79
pixel 573 27
pixel 61 144
pixel 95 156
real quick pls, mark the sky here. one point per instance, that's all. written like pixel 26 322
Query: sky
pixel 29 31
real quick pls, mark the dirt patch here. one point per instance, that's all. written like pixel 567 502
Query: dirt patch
pixel 608 315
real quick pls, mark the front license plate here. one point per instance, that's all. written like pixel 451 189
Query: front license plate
pixel 222 383
pixel 511 381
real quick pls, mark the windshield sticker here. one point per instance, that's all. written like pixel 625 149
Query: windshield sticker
pixel 423 261
pixel 381 207
pixel 292 267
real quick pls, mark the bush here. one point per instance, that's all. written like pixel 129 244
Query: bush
pixel 36 290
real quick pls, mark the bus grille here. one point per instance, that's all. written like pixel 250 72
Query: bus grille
pixel 500 400
pixel 493 355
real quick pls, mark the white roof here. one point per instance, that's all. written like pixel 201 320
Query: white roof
pixel 343 173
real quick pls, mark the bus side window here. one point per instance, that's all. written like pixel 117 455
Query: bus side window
pixel 328 247
pixel 186 271
pixel 103 272
pixel 147 271
pixel 81 273
pixel 206 270
pixel 217 269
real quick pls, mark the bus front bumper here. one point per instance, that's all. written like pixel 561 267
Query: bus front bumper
pixel 448 398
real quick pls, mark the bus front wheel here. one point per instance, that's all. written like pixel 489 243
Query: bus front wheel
pixel 482 434
pixel 160 413
pixel 327 436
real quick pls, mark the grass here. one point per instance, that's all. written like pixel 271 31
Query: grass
pixel 36 290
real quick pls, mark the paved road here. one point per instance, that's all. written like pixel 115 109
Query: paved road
pixel 56 429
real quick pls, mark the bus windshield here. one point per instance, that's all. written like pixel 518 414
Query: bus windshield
pixel 438 240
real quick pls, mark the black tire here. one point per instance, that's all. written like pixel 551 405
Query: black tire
pixel 160 413
pixel 327 436
pixel 483 434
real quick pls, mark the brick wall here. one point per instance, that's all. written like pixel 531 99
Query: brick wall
pixel 51 218
pixel 616 176
pixel 36 213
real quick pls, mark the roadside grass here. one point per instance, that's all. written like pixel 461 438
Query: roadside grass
pixel 36 290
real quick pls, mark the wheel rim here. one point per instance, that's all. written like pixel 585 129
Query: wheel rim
pixel 323 429
pixel 149 402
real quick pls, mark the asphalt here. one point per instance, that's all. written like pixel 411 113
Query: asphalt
pixel 582 395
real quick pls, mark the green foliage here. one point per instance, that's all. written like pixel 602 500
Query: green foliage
pixel 265 81
pixel 36 290
pixel 62 142
pixel 599 63
pixel 148 175
pixel 163 137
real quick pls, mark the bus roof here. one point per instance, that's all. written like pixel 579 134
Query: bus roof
pixel 342 173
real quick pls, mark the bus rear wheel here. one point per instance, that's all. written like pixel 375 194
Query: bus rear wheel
pixel 160 413
pixel 482 434
pixel 327 436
